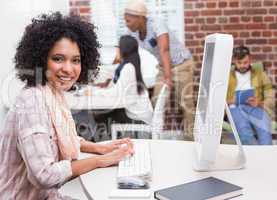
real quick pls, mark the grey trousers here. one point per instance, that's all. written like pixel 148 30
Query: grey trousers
pixel 182 77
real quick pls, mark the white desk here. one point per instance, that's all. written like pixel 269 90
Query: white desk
pixel 172 165
pixel 12 86
pixel 94 102
pixel 10 92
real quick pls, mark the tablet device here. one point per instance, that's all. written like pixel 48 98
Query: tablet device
pixel 243 95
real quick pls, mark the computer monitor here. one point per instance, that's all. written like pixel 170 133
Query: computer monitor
pixel 211 101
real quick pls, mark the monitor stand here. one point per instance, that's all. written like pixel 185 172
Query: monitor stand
pixel 226 158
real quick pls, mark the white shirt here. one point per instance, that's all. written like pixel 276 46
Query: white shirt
pixel 243 81
pixel 155 28
pixel 140 107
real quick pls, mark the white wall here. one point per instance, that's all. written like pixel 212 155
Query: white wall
pixel 14 16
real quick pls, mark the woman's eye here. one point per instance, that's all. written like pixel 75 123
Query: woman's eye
pixel 77 61
pixel 57 59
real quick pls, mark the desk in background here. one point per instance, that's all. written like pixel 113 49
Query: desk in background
pixel 12 86
pixel 94 102
pixel 172 165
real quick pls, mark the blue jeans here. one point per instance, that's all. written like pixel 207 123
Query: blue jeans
pixel 251 121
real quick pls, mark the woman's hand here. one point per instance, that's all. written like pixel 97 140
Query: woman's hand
pixel 113 157
pixel 116 144
pixel 114 152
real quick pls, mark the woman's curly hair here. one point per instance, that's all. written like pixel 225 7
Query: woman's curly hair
pixel 39 38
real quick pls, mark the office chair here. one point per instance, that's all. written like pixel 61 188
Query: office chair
pixel 156 127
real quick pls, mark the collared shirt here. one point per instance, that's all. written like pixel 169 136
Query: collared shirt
pixel 30 168
pixel 155 28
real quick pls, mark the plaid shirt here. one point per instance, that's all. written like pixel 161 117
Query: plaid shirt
pixel 30 168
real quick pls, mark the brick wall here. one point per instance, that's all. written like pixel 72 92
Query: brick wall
pixel 80 7
pixel 251 22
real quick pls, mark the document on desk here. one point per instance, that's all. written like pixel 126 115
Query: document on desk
pixel 133 194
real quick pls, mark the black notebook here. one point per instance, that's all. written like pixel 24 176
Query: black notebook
pixel 205 189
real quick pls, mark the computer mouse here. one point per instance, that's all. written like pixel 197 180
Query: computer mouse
pixel 132 183
pixel 131 180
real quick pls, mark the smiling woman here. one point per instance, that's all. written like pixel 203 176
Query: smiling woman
pixel 39 146
pixel 63 64
pixel 33 50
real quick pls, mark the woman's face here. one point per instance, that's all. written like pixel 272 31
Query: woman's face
pixel 63 64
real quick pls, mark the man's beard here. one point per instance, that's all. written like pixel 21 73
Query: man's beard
pixel 243 71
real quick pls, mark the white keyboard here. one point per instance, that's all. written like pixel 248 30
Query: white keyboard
pixel 138 165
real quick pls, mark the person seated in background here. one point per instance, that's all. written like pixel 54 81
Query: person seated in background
pixel 108 56
pixel 39 146
pixel 249 96
pixel 127 84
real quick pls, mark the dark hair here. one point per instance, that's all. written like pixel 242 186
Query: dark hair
pixel 128 46
pixel 240 52
pixel 39 38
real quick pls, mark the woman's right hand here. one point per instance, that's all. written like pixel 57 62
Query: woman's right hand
pixel 113 157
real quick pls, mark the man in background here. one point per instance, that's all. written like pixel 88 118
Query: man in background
pixel 250 98
pixel 175 61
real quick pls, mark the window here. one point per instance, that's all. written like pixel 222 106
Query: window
pixel 108 17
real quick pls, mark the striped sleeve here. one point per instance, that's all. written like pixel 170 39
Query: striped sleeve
pixel 34 142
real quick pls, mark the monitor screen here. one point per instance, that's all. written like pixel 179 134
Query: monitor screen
pixel 211 104
pixel 205 82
